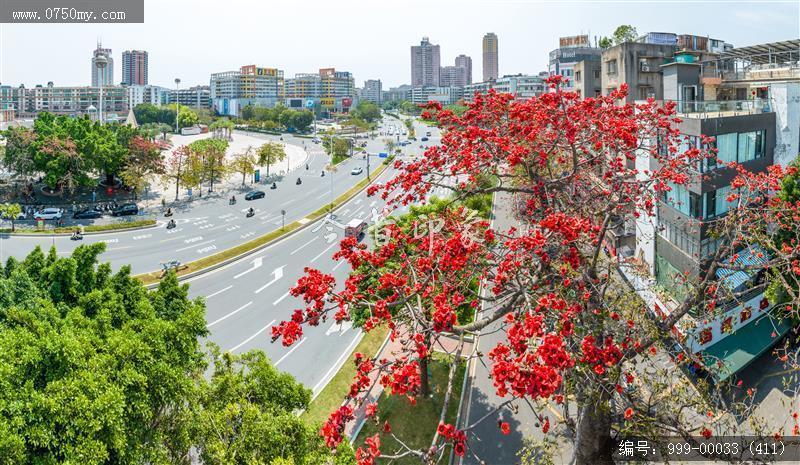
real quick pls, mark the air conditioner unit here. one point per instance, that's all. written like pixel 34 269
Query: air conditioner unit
pixel 645 67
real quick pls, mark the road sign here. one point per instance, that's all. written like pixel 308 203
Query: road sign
pixel 257 176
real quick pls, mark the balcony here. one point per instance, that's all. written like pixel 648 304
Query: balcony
pixel 703 109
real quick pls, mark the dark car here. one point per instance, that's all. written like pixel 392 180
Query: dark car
pixel 252 195
pixel 87 214
pixel 125 209
pixel 424 139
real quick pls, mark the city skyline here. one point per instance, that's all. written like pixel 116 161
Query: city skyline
pixel 524 49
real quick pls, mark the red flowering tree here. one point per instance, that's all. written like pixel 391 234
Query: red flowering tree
pixel 575 331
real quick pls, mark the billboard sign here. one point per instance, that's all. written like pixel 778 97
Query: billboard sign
pixel 347 101
pixel 327 102
pixel 309 103
pixel 574 41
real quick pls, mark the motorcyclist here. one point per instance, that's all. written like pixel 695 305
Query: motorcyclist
pixel 233 199
pixel 306 165
pixel 299 181
pixel 169 212
pixel 323 174
pixel 250 212
pixel 171 224
pixel 76 234
pixel 274 186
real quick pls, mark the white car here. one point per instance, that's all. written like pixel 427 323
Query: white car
pixel 48 214
pixel 357 170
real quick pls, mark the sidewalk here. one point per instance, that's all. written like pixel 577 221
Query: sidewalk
pixel 390 350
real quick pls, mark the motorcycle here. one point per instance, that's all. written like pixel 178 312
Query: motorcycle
pixel 306 165
pixel 322 175
pixel 232 201
pixel 170 224
pixel 168 213
pixel 273 186
pixel 299 181
pixel 250 213
pixel 76 236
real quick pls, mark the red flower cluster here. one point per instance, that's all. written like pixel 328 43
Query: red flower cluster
pixel 456 436
pixel 373 451
pixel 334 426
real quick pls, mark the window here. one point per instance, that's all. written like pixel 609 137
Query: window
pixel 597 74
pixel 577 75
pixel 711 204
pixel 611 67
pixel 751 145
pixel 726 147
pixel 681 199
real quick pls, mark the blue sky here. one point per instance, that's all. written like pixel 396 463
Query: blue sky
pixel 371 38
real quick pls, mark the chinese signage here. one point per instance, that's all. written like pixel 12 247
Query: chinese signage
pixel 574 41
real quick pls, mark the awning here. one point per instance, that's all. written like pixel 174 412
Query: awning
pixel 752 256
pixel 734 352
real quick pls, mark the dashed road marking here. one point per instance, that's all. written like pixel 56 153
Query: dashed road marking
pixel 143 236
pixel 229 314
pixel 193 239
pixel 290 352
pixel 323 252
pixel 252 337
pixel 207 249
pixel 280 299
pixel 304 245
pixel 195 245
pixel 219 291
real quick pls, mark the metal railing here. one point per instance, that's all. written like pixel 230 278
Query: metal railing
pixel 712 108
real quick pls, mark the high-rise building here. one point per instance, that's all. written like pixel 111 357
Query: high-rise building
pixel 154 95
pixel 490 68
pixel 134 68
pixel 106 74
pixel 329 90
pixel 425 64
pixel 465 62
pixel 373 91
pixel 453 76
pixel 251 85
pixel 195 97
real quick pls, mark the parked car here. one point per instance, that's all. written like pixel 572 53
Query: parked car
pixel 48 214
pixel 252 195
pixel 87 214
pixel 424 139
pixel 316 140
pixel 126 209
pixel 357 170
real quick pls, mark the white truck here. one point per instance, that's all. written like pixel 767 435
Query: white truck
pixel 355 228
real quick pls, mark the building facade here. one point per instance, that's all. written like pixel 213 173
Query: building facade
pixel 465 62
pixel 425 64
pixel 586 78
pixel 73 100
pixel 571 51
pixel 490 58
pixel 326 91
pixel 453 76
pixel 753 113
pixel 134 68
pixel 195 97
pixel 522 86
pixel 250 85
pixel 639 66
pixel 106 74
pixel 372 91
pixel 154 95
pixel 443 95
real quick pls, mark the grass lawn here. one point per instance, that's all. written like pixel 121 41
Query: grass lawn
pixel 416 424
pixel 332 396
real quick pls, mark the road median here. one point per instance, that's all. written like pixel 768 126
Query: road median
pixel 91 229
pixel 217 260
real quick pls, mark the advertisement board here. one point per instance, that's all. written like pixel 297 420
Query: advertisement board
pixel 574 41
pixel 347 101
pixel 327 102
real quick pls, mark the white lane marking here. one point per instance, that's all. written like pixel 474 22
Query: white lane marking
pixel 208 248
pixel 302 246
pixel 339 328
pixel 233 228
pixel 303 221
pixel 358 201
pixel 252 337
pixel 195 245
pixel 143 236
pixel 246 235
pixel 278 275
pixel 109 241
pixel 341 262
pixel 193 239
pixel 229 314
pixel 290 352
pixel 344 213
pixel 373 203
pixel 323 195
pixel 281 298
pixel 323 252
pixel 219 292
pixel 358 210
pixel 335 367
pixel 174 231
pixel 257 262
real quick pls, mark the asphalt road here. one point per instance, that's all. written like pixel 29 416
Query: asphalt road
pixel 207 226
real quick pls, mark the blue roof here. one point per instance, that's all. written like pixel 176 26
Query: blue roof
pixel 752 256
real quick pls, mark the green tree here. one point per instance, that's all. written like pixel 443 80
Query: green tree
pixel 146 113
pixel 301 120
pixel 624 33
pixel 605 42
pixel 246 399
pixel 144 162
pixel 19 154
pixel 10 211
pixel 211 152
pixel 270 153
pixel 367 111
pixel 244 163
pixel 186 116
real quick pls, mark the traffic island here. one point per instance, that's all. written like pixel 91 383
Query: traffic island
pixel 90 229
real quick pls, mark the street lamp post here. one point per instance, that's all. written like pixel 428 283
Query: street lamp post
pixel 177 105
pixel 100 62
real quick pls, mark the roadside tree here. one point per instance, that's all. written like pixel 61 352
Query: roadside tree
pixel 576 337
pixel 244 163
pixel 270 153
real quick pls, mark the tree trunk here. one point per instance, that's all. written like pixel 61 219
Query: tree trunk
pixel 425 382
pixel 177 187
pixel 593 444
pixel 109 179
